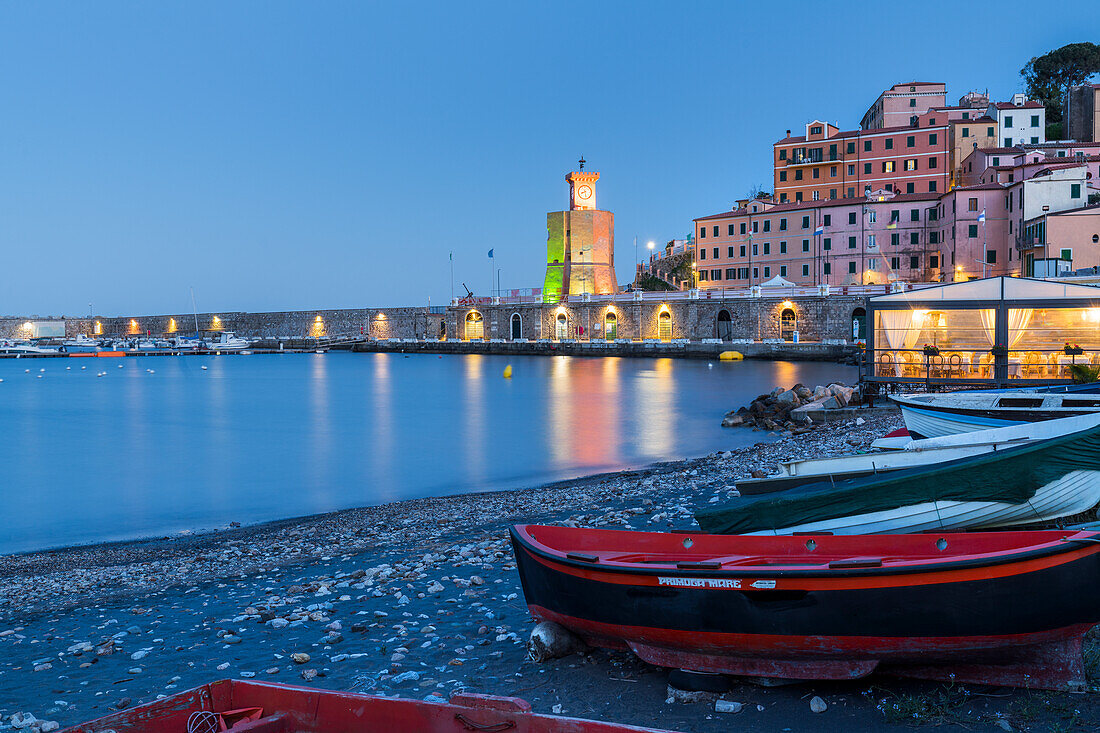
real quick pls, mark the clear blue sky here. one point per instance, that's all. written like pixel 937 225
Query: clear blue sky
pixel 325 154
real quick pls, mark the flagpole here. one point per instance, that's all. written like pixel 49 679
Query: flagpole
pixel 452 257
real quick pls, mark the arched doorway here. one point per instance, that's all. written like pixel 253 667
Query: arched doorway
pixel 724 327
pixel 610 325
pixel 517 326
pixel 664 326
pixel 561 327
pixel 442 330
pixel 859 325
pixel 475 326
pixel 787 324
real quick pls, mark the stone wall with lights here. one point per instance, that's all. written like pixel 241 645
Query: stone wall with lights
pixel 816 318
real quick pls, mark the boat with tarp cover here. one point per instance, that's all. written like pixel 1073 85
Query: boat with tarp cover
pixel 1039 481
pixel 1007 608
pixel 261 707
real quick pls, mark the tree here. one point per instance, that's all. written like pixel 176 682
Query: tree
pixel 1048 77
pixel 759 192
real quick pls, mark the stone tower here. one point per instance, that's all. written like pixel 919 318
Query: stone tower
pixel 580 243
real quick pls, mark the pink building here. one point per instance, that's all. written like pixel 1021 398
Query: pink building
pixel 897 106
pixel 977 232
pixel 1070 236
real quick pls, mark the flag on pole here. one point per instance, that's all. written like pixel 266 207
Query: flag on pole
pixel 491 253
pixel 981 216
pixel 820 229
pixel 893 220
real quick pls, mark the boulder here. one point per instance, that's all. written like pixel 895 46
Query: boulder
pixel 732 421
pixel 788 398
pixel 552 641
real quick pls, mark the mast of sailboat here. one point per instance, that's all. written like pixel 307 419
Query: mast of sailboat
pixel 195 311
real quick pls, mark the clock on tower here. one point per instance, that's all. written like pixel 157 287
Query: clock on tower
pixel 582 190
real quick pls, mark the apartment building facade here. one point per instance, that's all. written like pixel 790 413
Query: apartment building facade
pixel 896 106
pixel 1020 120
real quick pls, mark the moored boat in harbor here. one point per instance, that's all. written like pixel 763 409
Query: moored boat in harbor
pixel 947 413
pixel 999 608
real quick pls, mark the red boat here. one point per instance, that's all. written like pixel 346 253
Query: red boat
pixel 1005 608
pixel 260 707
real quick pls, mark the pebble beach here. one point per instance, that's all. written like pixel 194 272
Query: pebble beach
pixel 420 599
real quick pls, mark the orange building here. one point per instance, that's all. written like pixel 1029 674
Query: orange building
pixel 580 243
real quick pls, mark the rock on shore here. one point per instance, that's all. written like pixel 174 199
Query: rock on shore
pixel 790 409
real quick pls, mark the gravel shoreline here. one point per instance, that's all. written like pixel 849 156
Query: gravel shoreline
pixel 417 599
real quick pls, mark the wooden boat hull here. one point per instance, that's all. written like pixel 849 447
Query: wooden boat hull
pixel 1000 616
pixel 933 416
pixel 288 709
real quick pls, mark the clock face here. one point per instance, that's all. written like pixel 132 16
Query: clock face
pixel 584 193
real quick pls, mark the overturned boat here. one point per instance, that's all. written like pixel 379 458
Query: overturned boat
pixel 259 707
pixel 1036 482
pixel 948 413
pixel 1007 608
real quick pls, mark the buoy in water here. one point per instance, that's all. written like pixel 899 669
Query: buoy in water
pixel 119 366
pixel 26 371
pixel 508 372
pixel 68 368
pixel 731 356
pixel 204 367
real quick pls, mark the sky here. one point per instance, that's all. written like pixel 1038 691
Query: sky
pixel 305 155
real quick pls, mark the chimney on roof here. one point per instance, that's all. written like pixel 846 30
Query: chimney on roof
pixel 788 133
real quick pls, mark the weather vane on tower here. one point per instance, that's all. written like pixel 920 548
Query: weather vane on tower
pixel 581 161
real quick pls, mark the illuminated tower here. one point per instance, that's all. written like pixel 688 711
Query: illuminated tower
pixel 580 243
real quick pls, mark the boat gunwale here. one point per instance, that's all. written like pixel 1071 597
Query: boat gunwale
pixel 1075 542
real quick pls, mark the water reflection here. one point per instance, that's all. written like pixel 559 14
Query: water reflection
pixel 654 409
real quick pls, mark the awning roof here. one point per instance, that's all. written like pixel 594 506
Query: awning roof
pixel 995 288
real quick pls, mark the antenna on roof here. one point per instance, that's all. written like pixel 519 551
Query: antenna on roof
pixel 581 161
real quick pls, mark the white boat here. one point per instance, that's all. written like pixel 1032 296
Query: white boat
pixel 228 341
pixel 948 413
pixel 82 344
pixel 1015 476
pixel 21 346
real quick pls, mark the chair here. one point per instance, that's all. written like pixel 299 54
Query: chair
pixel 1033 364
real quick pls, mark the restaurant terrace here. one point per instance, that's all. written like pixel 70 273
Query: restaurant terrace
pixel 995 331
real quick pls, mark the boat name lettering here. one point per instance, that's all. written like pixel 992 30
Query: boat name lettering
pixel 712 583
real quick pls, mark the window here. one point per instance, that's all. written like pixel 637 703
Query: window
pixel 767 272
pixel 782 154
pixel 798 197
pixel 715 232
pixel 851 217
pixel 972 231
pixel 805 271
pixel 755 227
pixel 715 274
pixel 741 251
pixel 851 242
pixel 767 225
pixel 798 175
pixel 702 276
pixel 731 273
pixel 932 186
pixel 805 245
pixel 852 267
pixel 742 227
pixel 914 215
pixel 815 130
pixel 782 248
pixel 1067 254
pixel 702 253
pixel 909 187
pixel 755 250
pixel 851 170
pixel 914 238
pixel 996 160
pixel 895 239
pixel 782 176
pixel 832 193
pixel 755 273
pixel 872 216
pixel 910 164
pixel 1008 120
pixel 702 232
pixel 991 256
pixel 783 225
pixel 716 255
pixel 729 252
pixel 866 146
pixel 828 268
pixel 767 248
pixel 914 262
pixel 990 132
pixel 782 271
pixel 815 173
pixel 911 141
pixel 1035 120
pixel 867 169
pixel 966 132
pixel 1008 142
pixel 729 230
pixel 827 220
pixel 895 263
pixel 887 166
pixel 889 143
pixel 1075 190
pixel 932 138
pixel 832 171
pixel 805 222
pixel 933 163
pixel 871 241
pixel 972 204
pixel 742 273
pixel 912 102
pixel 827 243
pixel 933 214
pixel 1034 141
pixel 851 148
pixel 933 237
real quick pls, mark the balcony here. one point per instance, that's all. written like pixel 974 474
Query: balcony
pixel 1024 241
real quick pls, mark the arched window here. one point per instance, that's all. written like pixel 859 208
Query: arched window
pixel 475 326
pixel 664 326
pixel 517 326
pixel 724 327
pixel 610 325
pixel 787 324
pixel 442 330
pixel 562 327
pixel 859 324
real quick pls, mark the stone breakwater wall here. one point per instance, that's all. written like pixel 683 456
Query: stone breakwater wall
pixel 816 318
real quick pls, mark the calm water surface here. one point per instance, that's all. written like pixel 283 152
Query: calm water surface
pixel 255 438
